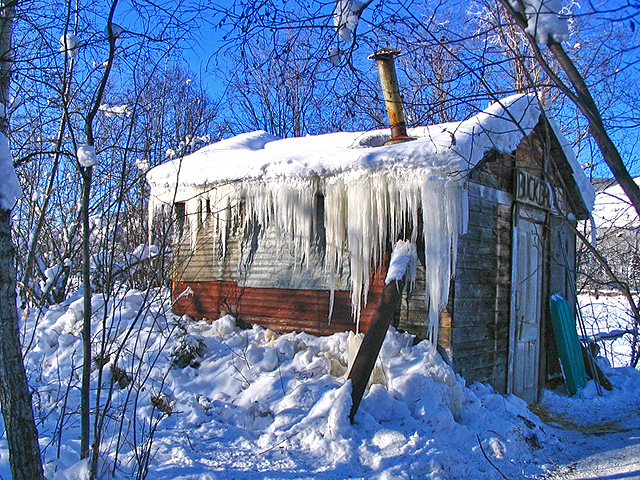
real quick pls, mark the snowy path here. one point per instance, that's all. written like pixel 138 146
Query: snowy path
pixel 607 449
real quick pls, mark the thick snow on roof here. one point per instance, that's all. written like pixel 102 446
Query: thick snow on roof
pixel 440 149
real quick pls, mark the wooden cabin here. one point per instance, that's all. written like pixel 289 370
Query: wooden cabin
pixel 293 234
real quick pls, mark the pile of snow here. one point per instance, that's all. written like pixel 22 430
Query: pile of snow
pixel 210 401
pixel 196 400
pixel 10 190
pixel 346 16
pixel 115 110
pixel 143 165
pixel 87 155
pixel 70 45
pixel 404 260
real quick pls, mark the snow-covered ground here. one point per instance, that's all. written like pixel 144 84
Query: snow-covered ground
pixel 606 319
pixel 193 400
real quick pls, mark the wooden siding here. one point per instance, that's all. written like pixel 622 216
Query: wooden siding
pixel 479 326
pixel 474 328
pixel 253 259
pixel 282 310
pixel 199 264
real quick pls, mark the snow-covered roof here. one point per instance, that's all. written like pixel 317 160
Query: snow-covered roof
pixel 444 149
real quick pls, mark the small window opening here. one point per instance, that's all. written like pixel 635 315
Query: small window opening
pixel 320 237
pixel 179 211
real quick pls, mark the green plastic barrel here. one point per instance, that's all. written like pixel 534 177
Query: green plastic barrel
pixel 564 330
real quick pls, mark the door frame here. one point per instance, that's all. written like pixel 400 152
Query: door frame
pixel 525 213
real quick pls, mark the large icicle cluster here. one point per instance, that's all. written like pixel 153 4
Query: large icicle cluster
pixel 364 213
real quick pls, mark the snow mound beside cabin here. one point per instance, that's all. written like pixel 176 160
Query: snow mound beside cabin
pixel 252 404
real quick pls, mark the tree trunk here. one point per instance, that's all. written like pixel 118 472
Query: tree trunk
pixel 15 399
pixel 22 437
pixel 588 107
pixel 86 324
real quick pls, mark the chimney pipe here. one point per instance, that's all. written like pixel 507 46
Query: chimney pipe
pixel 392 99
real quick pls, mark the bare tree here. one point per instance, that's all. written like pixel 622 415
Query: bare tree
pixel 580 94
pixel 15 398
pixel 123 93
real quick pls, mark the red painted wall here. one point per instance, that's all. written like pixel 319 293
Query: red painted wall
pixel 281 310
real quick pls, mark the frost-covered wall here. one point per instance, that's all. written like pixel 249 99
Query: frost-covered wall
pixel 372 194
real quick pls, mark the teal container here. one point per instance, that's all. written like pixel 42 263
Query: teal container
pixel 564 330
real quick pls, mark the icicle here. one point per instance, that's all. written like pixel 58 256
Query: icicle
pixel 151 219
pixel 335 224
pixel 225 221
pixel 289 207
pixel 363 213
pixel 444 219
pixel 219 214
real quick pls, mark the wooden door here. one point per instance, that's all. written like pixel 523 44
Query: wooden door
pixel 526 306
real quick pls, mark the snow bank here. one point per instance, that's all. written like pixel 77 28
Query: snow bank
pixel 251 404
pixel 10 190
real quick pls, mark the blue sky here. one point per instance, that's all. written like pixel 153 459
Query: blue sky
pixel 208 69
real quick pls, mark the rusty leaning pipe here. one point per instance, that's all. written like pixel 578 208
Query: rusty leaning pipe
pixel 393 101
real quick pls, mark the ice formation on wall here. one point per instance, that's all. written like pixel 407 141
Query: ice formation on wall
pixel 362 213
pixel 373 195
